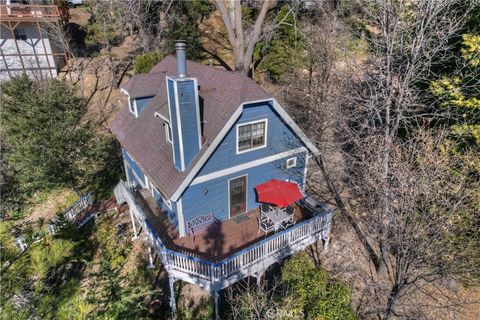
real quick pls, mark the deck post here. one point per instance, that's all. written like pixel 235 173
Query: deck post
pixel 173 305
pixel 326 233
pixel 215 298
pixel 326 242
pixel 258 276
pixel 135 236
pixel 150 258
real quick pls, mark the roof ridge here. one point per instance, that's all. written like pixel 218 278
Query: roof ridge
pixel 230 72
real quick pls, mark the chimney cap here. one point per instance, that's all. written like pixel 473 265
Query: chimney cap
pixel 180 48
pixel 180 44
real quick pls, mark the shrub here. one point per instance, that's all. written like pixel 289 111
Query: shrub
pixel 145 62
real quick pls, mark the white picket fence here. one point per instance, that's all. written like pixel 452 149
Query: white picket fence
pixel 247 262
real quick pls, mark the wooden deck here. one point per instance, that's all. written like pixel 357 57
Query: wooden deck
pixel 217 242
pixel 29 12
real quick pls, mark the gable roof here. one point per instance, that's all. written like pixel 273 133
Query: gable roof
pixel 222 93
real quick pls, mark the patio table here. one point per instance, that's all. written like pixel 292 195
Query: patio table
pixel 277 216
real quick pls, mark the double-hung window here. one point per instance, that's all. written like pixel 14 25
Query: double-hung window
pixel 19 34
pixel 251 136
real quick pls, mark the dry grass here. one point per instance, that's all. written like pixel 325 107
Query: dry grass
pixel 48 204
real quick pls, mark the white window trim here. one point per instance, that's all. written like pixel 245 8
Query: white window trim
pixel 168 132
pixel 179 126
pixel 246 193
pixel 135 110
pixel 170 114
pixel 147 182
pixel 264 140
pixel 136 176
pixel 294 159
pixel 181 219
pixel 167 202
pixel 244 166
pixel 153 189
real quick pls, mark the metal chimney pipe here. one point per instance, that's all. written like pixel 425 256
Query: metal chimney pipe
pixel 180 47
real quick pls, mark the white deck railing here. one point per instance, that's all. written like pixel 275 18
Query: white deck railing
pixel 247 262
pixel 78 207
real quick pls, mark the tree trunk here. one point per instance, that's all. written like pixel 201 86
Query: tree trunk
pixel 392 300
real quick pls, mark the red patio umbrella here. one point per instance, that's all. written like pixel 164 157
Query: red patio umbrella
pixel 280 193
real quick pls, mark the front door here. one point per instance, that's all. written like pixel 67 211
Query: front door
pixel 238 195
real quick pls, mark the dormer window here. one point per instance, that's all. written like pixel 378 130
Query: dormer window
pixel 251 136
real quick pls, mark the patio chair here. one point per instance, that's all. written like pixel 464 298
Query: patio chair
pixel 265 225
pixel 290 222
pixel 290 210
pixel 264 207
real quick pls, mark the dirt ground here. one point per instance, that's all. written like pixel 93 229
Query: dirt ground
pixel 348 260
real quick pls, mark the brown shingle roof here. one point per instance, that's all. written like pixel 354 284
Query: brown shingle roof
pixel 144 138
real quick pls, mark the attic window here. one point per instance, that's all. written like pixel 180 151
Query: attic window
pixel 291 162
pixel 251 136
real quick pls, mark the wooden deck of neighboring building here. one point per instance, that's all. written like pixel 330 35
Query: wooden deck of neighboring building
pixel 29 12
pixel 217 242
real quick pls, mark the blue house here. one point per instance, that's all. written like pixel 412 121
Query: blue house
pixel 196 141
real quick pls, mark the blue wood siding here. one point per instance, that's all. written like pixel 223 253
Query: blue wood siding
pixel 170 213
pixel 188 119
pixel 175 136
pixel 132 177
pixel 134 167
pixel 280 138
pixel 212 196
pixel 142 103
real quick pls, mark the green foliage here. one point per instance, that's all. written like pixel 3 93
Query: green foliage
pixel 101 166
pixel 315 292
pixel 145 62
pixel 286 52
pixel 47 145
pixel 471 49
pixel 305 292
pixel 183 24
pixel 41 125
pixel 202 310
pixel 30 274
pixel 461 92
pixel 113 252
pixel 75 275
pixel 102 28
pixel 51 253
pixel 76 308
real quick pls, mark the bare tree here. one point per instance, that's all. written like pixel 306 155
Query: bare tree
pixel 391 175
pixel 243 39
pixel 247 301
